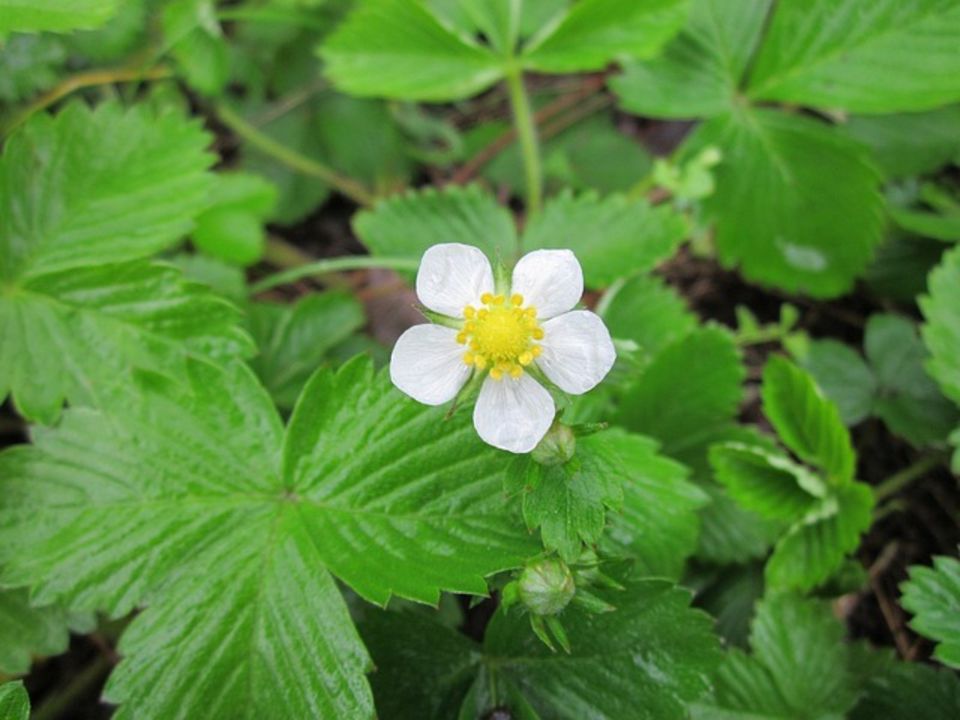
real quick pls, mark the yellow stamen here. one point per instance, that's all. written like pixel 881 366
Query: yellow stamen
pixel 500 335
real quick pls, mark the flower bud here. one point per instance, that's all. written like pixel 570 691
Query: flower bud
pixel 546 586
pixel 557 446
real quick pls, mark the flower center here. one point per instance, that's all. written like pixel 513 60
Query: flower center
pixel 501 335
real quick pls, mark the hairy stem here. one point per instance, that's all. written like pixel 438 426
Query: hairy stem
pixel 292 159
pixel 91 78
pixel 899 480
pixel 322 267
pixel 527 134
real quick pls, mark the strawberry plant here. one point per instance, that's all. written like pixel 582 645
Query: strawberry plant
pixel 479 359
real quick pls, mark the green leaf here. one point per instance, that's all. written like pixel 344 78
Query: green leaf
pixel 657 526
pixel 231 229
pixel 399 49
pixel 767 483
pixel 911 143
pixel 14 701
pixel 197 44
pixel 73 333
pixel 295 340
pixel 646 659
pixel 29 64
pixel 845 378
pixel 807 422
pixel 933 596
pixel 596 32
pixel 700 71
pixel 650 313
pixel 731 595
pixel 406 225
pixel 568 502
pixel 796 204
pixel 829 53
pixel 54 15
pixel 799 667
pixel 97 186
pixel 893 386
pixel 897 690
pixel 612 237
pixel 26 631
pixel 424 669
pixel 189 500
pixel 732 534
pixel 689 391
pixel 908 401
pixel 899 270
pixel 814 548
pixel 941 333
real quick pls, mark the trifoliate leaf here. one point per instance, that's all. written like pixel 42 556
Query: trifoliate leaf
pixel 98 186
pixel 911 143
pixel 294 340
pixel 650 313
pixel 807 422
pixel 657 526
pixel 799 667
pixel 54 15
pixel 899 690
pixel 406 225
pixel 845 378
pixel 829 53
pixel 568 501
pixel 767 483
pixel 647 659
pixel 595 33
pixel 933 596
pixel 612 237
pixel 400 49
pixel 908 401
pixel 700 71
pixel 72 333
pixel 188 499
pixel 796 204
pixel 689 391
pixel 814 547
pixel 26 631
pixel 14 701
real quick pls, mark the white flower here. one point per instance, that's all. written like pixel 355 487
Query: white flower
pixel 505 335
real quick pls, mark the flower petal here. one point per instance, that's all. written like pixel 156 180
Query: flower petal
pixel 427 364
pixel 452 276
pixel 513 414
pixel 577 351
pixel 550 280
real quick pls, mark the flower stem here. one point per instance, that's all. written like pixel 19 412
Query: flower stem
pixel 527 134
pixel 292 159
pixel 899 480
pixel 321 267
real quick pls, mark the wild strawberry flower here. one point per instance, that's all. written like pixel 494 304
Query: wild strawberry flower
pixel 508 334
